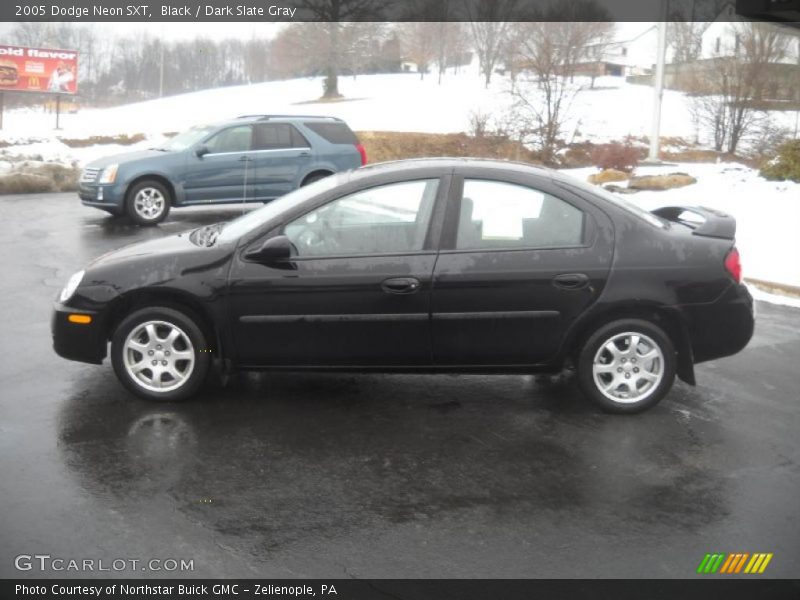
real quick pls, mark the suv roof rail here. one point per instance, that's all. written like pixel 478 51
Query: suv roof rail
pixel 268 117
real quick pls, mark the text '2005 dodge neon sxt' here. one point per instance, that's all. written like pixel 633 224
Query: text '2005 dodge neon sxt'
pixel 431 265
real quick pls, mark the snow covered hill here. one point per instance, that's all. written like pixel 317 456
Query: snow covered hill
pixel 395 102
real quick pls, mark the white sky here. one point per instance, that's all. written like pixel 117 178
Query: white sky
pixel 180 31
pixel 222 30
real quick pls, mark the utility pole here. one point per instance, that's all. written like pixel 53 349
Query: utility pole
pixel 658 85
pixel 161 65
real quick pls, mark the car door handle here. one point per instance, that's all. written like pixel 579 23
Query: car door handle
pixel 304 153
pixel 400 285
pixel 245 158
pixel 571 281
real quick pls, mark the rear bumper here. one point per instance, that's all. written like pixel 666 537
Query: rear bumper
pixel 721 328
pixel 81 342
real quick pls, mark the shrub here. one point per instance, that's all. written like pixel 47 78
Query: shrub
pixel 25 183
pixel 621 157
pixel 785 165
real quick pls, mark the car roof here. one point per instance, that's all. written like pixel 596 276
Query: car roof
pixel 452 163
pixel 278 118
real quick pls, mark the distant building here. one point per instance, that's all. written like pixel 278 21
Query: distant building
pixel 633 55
pixel 720 42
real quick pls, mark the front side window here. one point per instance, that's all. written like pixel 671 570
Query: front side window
pixel 385 219
pixel 495 214
pixel 233 139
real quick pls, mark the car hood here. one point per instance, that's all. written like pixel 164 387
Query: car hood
pixel 164 247
pixel 126 157
pixel 158 262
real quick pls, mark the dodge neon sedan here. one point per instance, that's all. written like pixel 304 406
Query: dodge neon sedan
pixel 434 265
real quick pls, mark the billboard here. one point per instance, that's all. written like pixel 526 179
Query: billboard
pixel 38 70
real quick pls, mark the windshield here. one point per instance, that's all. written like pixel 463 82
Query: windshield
pixel 619 201
pixel 187 138
pixel 253 220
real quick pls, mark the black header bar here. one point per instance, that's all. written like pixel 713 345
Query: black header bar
pixel 395 10
pixel 734 588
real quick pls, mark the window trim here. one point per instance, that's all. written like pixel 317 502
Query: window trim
pixel 450 234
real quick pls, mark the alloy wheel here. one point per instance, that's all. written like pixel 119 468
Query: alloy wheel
pixel 158 356
pixel 149 203
pixel 628 367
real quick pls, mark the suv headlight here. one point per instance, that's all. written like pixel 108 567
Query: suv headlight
pixel 109 174
pixel 71 286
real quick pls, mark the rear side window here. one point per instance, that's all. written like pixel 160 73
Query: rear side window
pixel 495 214
pixel 275 136
pixel 335 133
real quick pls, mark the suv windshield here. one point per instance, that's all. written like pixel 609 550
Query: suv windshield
pixel 252 220
pixel 187 138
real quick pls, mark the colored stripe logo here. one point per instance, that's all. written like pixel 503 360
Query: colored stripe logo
pixel 734 562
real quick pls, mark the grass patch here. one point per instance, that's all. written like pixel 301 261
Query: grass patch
pixel 391 145
pixel 39 178
pixel 122 139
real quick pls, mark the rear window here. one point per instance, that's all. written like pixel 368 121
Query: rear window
pixel 335 133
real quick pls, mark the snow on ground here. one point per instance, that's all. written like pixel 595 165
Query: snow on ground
pixel 767 212
pixel 391 102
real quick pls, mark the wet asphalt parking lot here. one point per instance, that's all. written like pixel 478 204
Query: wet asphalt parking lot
pixel 328 475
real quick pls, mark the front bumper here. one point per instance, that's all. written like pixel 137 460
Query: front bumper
pixel 74 341
pixel 106 197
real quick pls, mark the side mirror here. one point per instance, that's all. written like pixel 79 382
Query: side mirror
pixel 201 151
pixel 275 249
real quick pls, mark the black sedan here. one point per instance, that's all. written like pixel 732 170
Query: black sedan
pixel 435 265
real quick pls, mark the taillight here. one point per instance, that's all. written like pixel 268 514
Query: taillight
pixel 363 152
pixel 734 265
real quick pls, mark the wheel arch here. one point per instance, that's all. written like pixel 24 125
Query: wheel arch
pixel 669 319
pixel 152 177
pixel 127 303
pixel 316 171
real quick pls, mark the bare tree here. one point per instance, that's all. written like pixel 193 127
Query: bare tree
pixel 489 23
pixel 549 51
pixel 361 42
pixel 731 90
pixel 418 40
pixel 685 40
pixel 332 13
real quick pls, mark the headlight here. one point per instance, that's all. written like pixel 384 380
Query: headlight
pixel 109 174
pixel 71 286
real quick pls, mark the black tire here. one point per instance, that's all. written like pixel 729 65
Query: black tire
pixel 197 344
pixel 144 215
pixel 314 177
pixel 627 372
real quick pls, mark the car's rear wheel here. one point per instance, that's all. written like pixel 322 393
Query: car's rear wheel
pixel 160 353
pixel 627 366
pixel 148 202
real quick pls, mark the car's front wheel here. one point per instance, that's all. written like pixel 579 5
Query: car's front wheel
pixel 627 366
pixel 148 202
pixel 160 353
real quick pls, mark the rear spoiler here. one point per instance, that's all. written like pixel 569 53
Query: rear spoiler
pixel 715 223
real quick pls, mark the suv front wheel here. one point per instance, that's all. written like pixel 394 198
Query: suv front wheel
pixel 627 366
pixel 148 202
